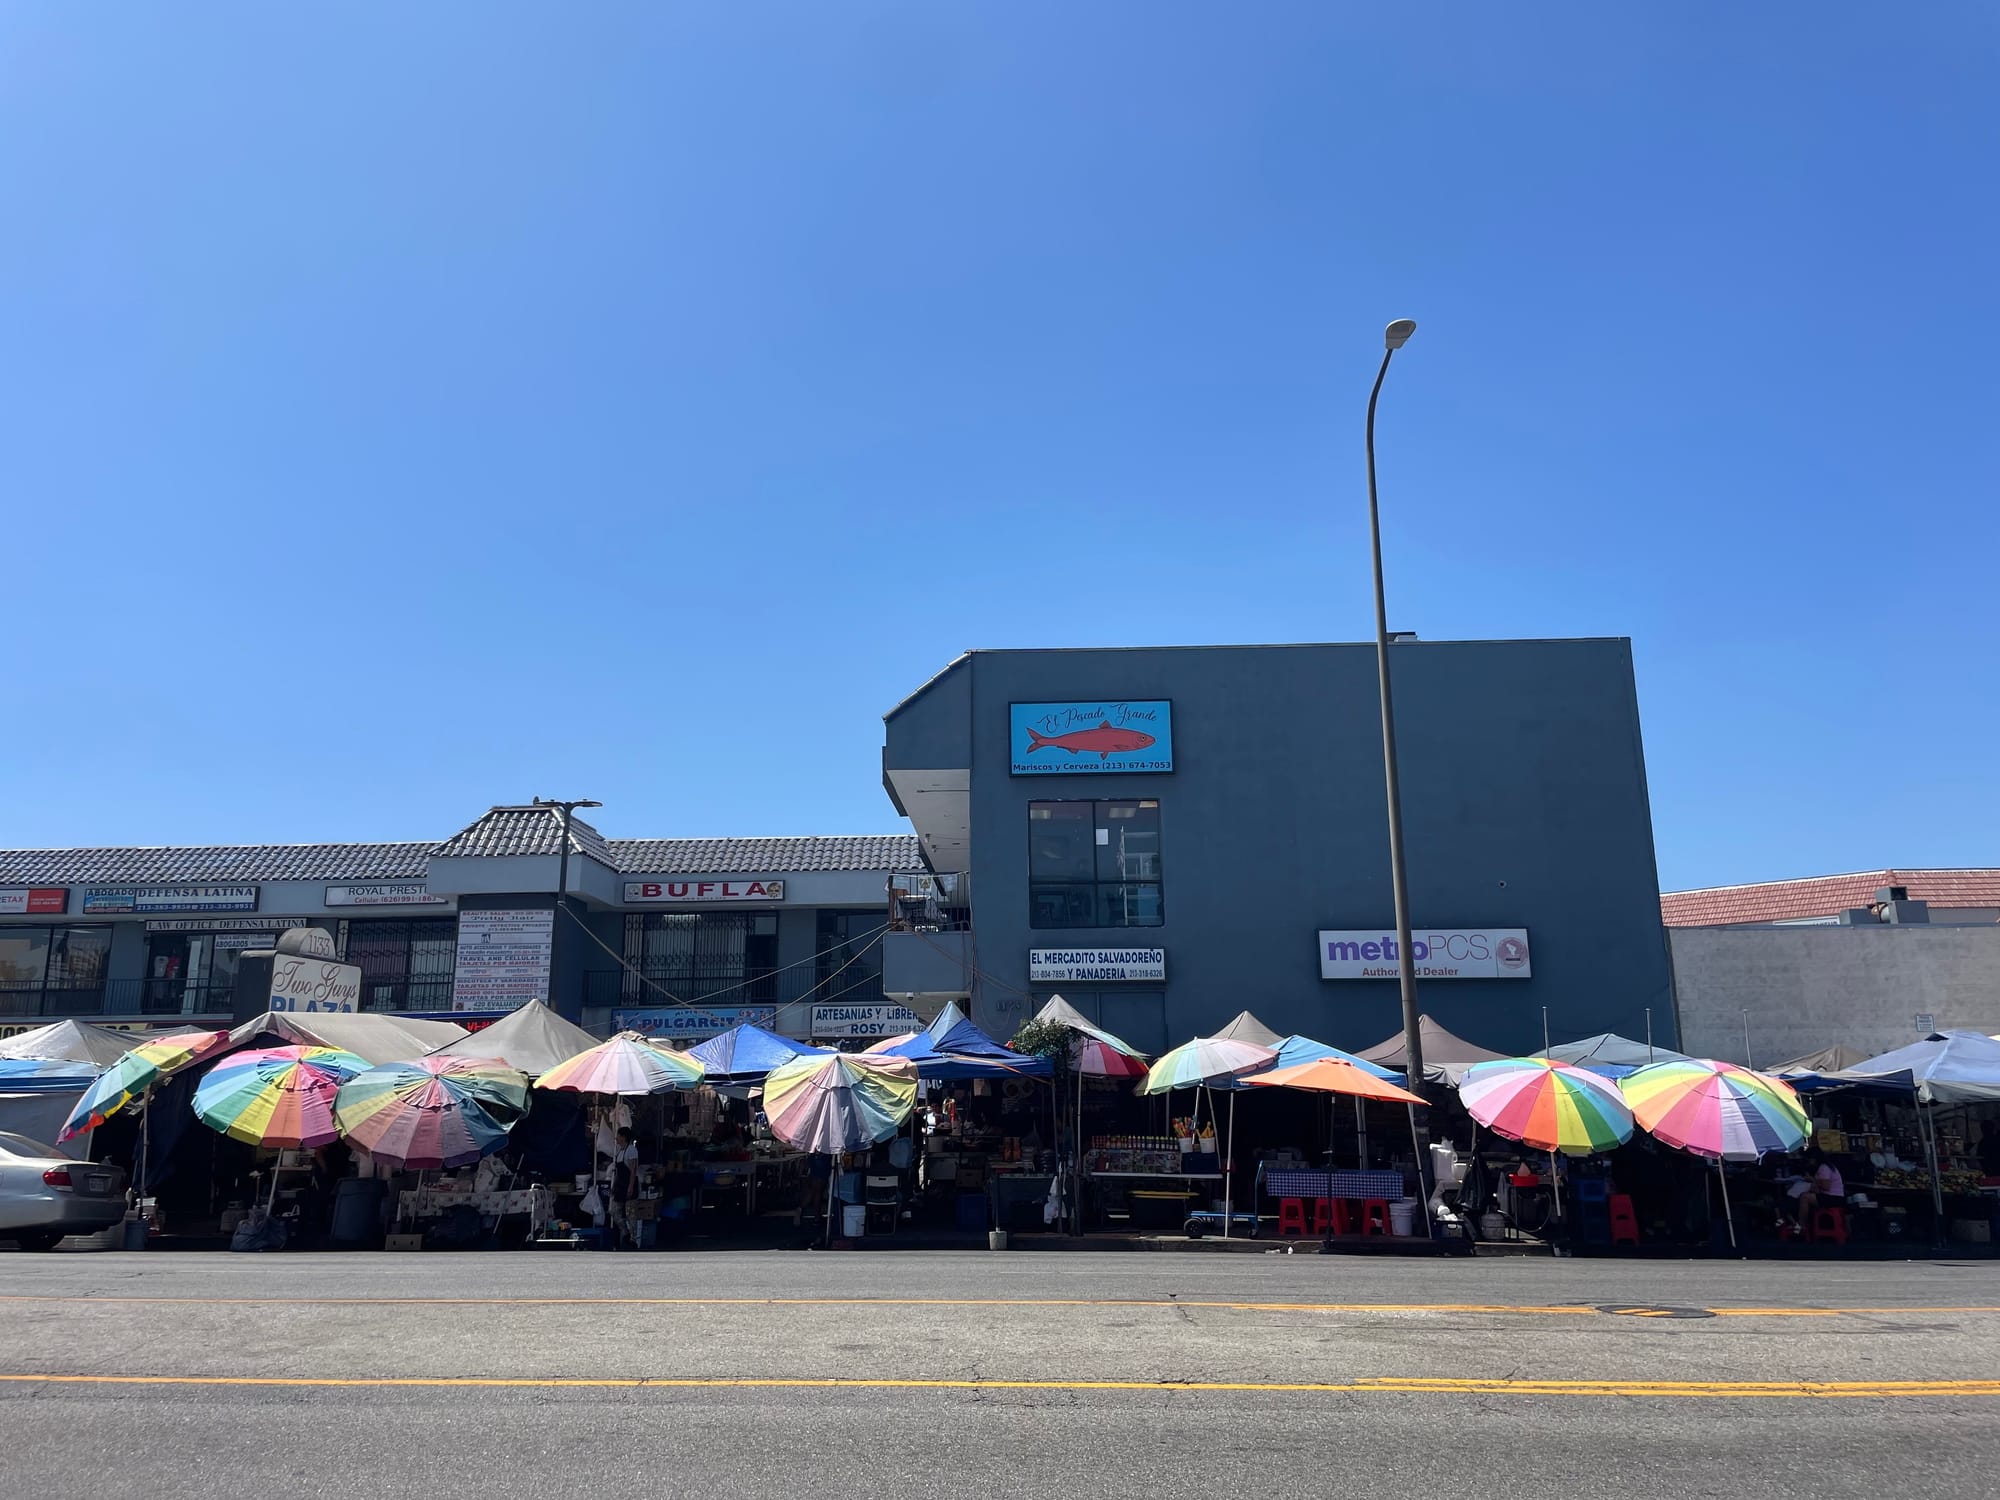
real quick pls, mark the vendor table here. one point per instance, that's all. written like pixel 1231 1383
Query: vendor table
pixel 1188 1178
pixel 1287 1183
pixel 432 1199
pixel 744 1173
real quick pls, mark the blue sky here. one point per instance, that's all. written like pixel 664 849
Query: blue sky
pixel 407 409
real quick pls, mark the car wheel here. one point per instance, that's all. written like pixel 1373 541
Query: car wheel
pixel 39 1239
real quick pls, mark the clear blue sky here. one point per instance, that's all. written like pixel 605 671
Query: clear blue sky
pixel 404 409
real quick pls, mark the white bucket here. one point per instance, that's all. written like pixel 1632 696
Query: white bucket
pixel 853 1220
pixel 1403 1216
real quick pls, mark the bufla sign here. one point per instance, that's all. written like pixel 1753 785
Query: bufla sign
pixel 834 1022
pixel 1099 735
pixel 1097 965
pixel 1442 953
pixel 707 889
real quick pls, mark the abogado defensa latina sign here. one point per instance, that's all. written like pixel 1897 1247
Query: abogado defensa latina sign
pixel 1442 953
pixel 113 900
pixel 1097 965
pixel 1102 735
pixel 314 984
pixel 702 889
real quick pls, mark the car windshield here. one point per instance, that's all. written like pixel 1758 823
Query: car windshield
pixel 21 1145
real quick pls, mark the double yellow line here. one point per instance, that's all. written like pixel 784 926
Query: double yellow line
pixel 1387 1385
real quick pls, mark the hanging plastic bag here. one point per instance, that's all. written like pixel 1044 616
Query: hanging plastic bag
pixel 593 1203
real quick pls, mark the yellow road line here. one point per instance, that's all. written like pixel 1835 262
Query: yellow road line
pixel 1381 1385
pixel 1495 1308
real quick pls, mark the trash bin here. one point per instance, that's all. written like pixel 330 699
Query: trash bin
pixel 1403 1216
pixel 357 1211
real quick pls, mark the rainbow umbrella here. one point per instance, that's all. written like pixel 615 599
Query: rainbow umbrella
pixel 1718 1110
pixel 1211 1060
pixel 276 1096
pixel 434 1112
pixel 1549 1105
pixel 844 1101
pixel 630 1063
pixel 132 1075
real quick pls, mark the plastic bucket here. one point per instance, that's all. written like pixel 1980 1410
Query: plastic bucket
pixel 853 1220
pixel 1403 1216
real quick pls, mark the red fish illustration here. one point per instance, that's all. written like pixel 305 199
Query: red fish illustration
pixel 1104 740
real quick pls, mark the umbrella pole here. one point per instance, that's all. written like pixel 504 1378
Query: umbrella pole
pixel 1928 1123
pixel 832 1176
pixel 1076 1215
pixel 1360 1137
pixel 1728 1216
pixel 1229 1169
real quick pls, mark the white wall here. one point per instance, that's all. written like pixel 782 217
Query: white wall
pixel 1813 987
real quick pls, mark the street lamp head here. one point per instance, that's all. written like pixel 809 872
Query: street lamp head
pixel 1398 333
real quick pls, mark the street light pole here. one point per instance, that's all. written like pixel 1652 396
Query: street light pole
pixel 565 811
pixel 1397 334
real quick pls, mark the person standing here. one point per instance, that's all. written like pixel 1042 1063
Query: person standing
pixel 624 1185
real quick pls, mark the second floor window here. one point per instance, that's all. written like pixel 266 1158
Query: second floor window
pixel 405 964
pixel 1095 864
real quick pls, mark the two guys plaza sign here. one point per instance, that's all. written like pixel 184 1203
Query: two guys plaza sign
pixel 1441 953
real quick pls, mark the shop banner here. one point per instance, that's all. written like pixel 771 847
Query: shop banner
pixel 1442 953
pixel 266 925
pixel 503 958
pixel 685 889
pixel 125 899
pixel 678 1023
pixel 395 893
pixel 835 1022
pixel 314 984
pixel 33 900
pixel 1097 965
pixel 1100 735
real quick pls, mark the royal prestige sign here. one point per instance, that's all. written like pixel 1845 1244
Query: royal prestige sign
pixel 503 958
pixel 1097 965
pixel 123 900
pixel 836 1022
pixel 314 984
pixel 1442 953
pixel 1098 735
pixel 33 900
pixel 391 893
pixel 678 1023
pixel 703 889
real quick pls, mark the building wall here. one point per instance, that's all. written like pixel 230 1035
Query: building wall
pixel 1524 803
pixel 1871 987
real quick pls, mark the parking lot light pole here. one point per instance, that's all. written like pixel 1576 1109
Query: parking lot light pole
pixel 565 811
pixel 1397 334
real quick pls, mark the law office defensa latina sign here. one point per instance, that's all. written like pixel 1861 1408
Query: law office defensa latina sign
pixel 1097 965
pixel 1442 953
pixel 834 1022
pixel 1104 734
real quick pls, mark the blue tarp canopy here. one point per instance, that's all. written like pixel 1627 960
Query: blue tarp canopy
pixel 20 1075
pixel 951 1048
pixel 1610 1055
pixel 1295 1049
pixel 746 1053
pixel 1947 1067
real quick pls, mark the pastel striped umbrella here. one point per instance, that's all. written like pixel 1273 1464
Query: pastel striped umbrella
pixel 1093 1058
pixel 1206 1059
pixel 1549 1105
pixel 844 1101
pixel 1716 1109
pixel 435 1112
pixel 630 1063
pixel 276 1096
pixel 137 1071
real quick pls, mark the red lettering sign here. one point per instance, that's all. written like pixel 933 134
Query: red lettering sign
pixel 48 900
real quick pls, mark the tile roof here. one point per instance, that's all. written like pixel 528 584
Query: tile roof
pixel 1823 896
pixel 522 830
pixel 212 864
pixel 894 851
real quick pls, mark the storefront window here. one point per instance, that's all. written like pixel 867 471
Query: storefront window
pixel 1095 864
pixel 52 970
pixel 405 965
pixel 698 954
pixel 849 966
pixel 194 973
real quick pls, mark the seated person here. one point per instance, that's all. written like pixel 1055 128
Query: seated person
pixel 1824 1187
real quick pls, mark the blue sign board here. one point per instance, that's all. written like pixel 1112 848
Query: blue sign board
pixel 1104 734
pixel 683 1025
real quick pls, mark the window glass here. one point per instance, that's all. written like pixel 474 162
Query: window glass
pixel 52 970
pixel 406 964
pixel 693 955
pixel 1095 864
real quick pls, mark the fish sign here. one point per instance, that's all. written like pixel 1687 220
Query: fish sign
pixel 1100 735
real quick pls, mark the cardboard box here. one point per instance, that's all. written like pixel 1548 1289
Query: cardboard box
pixel 403 1242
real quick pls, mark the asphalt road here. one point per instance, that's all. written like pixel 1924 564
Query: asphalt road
pixel 893 1375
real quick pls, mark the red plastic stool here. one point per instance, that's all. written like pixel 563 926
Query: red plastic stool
pixel 1322 1216
pixel 1624 1223
pixel 1291 1217
pixel 1829 1224
pixel 1343 1214
pixel 1374 1216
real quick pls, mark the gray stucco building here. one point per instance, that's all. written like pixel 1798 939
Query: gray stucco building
pixel 1207 814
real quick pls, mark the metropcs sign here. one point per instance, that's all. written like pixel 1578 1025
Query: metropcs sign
pixel 686 889
pixel 1441 953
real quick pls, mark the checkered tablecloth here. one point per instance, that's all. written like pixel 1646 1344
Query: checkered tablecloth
pixel 1283 1184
